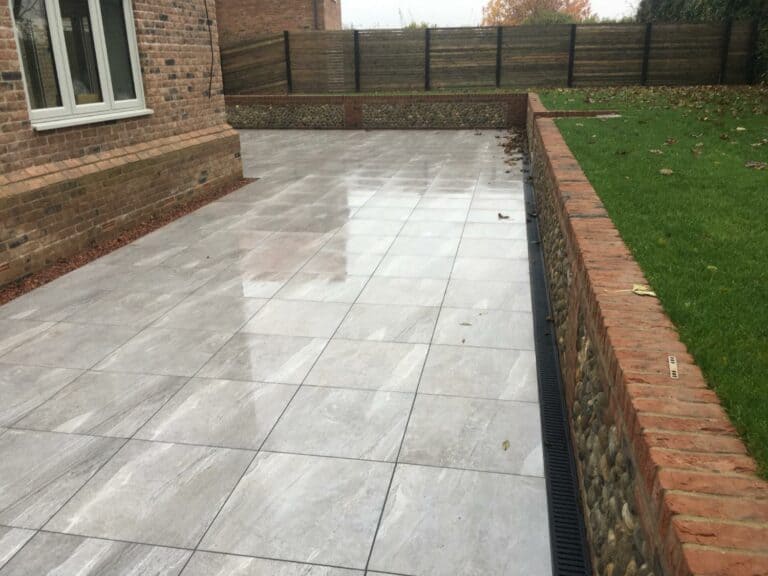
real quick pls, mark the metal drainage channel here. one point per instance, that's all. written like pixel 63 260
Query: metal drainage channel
pixel 570 552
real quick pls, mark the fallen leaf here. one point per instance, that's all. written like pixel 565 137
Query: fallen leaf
pixel 465 324
pixel 503 216
pixel 740 129
pixel 712 268
pixel 505 445
pixel 643 290
pixel 756 165
pixel 657 152
pixel 666 171
pixel 671 141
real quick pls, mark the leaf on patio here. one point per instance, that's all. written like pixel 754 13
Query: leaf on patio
pixel 503 216
pixel 643 290
pixel 666 171
pixel 505 445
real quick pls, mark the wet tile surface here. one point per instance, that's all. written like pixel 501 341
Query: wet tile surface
pixel 250 389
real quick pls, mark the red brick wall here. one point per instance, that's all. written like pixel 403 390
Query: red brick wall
pixel 175 54
pixel 240 20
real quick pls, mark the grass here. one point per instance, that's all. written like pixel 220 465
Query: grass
pixel 673 174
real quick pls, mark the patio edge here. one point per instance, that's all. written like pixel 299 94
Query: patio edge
pixel 666 483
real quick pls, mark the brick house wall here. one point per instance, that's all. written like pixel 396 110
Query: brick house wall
pixel 240 20
pixel 131 168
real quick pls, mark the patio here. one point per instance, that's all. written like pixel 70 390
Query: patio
pixel 328 372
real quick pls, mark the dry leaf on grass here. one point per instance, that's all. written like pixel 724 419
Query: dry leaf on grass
pixel 666 171
pixel 756 165
pixel 657 152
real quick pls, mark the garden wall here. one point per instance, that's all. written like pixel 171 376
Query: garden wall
pixel 58 209
pixel 666 484
pixel 378 112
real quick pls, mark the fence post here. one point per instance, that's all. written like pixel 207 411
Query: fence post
pixel 499 43
pixel 427 49
pixel 572 55
pixel 357 61
pixel 647 52
pixel 288 73
pixel 752 62
pixel 726 49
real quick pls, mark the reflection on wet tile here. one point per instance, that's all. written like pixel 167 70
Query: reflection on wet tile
pixel 40 471
pixel 338 262
pixel 49 554
pixel 11 541
pixel 480 373
pixel 173 494
pixel 23 388
pixel 213 311
pixel 14 333
pixel 136 309
pixel 486 328
pixel 359 424
pixel 104 404
pixel 385 323
pixel 220 413
pixel 265 358
pixel 303 508
pixel 484 435
pixel 437 519
pixel 360 244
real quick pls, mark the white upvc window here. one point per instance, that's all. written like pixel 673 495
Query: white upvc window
pixel 80 61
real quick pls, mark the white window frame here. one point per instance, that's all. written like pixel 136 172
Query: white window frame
pixel 70 113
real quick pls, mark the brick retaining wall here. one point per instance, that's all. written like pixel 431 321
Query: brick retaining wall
pixel 667 485
pixel 55 210
pixel 438 111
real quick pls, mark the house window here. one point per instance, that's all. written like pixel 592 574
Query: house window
pixel 80 60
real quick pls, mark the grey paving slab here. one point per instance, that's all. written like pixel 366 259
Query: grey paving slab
pixel 484 435
pixel 362 301
pixel 23 388
pixel 441 522
pixel 222 413
pixel 303 508
pixel 265 358
pixel 386 366
pixel 40 471
pixel 165 351
pixel 485 328
pixel 480 373
pixel 210 564
pixel 154 493
pixel 360 424
pixel 68 345
pixel 298 318
pixel 53 554
pixel 103 404
pixel 11 541
pixel 389 323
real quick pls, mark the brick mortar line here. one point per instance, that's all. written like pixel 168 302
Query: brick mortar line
pixel 621 368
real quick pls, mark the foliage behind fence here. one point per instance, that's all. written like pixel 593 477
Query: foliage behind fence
pixel 504 57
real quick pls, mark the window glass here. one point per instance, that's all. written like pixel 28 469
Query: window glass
pixel 116 36
pixel 78 37
pixel 37 53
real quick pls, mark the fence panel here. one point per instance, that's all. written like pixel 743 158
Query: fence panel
pixel 463 57
pixel 255 67
pixel 391 60
pixel 609 55
pixel 535 56
pixel 686 54
pixel 739 54
pixel 323 62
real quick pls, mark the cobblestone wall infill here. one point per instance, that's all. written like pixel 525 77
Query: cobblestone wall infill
pixel 271 116
pixel 667 486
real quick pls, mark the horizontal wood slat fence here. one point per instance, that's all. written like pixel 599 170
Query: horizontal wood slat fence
pixel 504 57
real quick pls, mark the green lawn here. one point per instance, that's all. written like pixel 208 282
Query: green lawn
pixel 672 172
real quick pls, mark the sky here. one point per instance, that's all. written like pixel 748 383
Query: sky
pixel 386 13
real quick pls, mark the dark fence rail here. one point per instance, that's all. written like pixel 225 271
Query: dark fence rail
pixel 504 57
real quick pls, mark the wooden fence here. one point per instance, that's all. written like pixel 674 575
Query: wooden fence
pixel 504 57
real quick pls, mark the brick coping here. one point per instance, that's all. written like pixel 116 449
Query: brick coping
pixel 36 177
pixel 698 491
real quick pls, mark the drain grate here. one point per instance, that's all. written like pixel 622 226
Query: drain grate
pixel 570 555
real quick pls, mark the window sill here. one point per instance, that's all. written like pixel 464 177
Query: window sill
pixel 93 119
